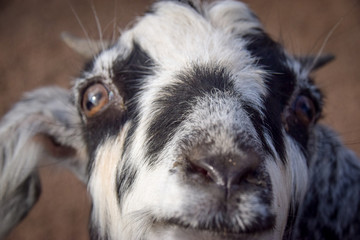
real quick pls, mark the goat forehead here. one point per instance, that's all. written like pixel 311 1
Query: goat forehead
pixel 178 38
pixel 175 35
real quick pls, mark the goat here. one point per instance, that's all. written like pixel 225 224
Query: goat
pixel 195 124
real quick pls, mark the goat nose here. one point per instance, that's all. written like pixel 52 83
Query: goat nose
pixel 225 170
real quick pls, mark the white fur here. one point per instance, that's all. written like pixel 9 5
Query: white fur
pixel 156 194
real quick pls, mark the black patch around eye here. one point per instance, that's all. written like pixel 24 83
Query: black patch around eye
pixel 176 100
pixel 129 74
pixel 280 82
pixel 299 116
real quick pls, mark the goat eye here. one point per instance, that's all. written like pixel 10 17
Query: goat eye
pixel 95 98
pixel 304 110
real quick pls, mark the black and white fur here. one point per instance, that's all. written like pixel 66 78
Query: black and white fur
pixel 200 138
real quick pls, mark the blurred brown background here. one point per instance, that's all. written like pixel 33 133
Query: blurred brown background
pixel 33 55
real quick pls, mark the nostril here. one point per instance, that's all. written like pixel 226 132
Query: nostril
pixel 207 169
pixel 224 170
pixel 198 169
pixel 246 175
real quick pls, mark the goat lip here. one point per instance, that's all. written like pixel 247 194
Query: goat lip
pixel 221 230
pixel 178 232
pixel 190 233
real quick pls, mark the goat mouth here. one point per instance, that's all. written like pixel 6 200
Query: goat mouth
pixel 186 231
pixel 228 226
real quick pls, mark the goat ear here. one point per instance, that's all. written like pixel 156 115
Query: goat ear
pixel 331 207
pixel 86 47
pixel 314 63
pixel 44 125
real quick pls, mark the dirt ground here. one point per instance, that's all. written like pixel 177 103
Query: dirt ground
pixel 33 55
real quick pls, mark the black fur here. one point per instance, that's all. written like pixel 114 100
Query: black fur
pixel 128 76
pixel 130 72
pixel 280 82
pixel 125 180
pixel 258 124
pixel 176 100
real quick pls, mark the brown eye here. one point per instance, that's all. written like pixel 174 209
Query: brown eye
pixel 304 110
pixel 95 98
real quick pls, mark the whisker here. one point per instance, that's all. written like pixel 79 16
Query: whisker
pixel 326 40
pixel 113 38
pixel 91 46
pixel 98 25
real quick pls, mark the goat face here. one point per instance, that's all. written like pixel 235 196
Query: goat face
pixel 188 121
pixel 195 124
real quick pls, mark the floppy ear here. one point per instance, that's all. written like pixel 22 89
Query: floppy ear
pixel 314 63
pixel 44 125
pixel 331 207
